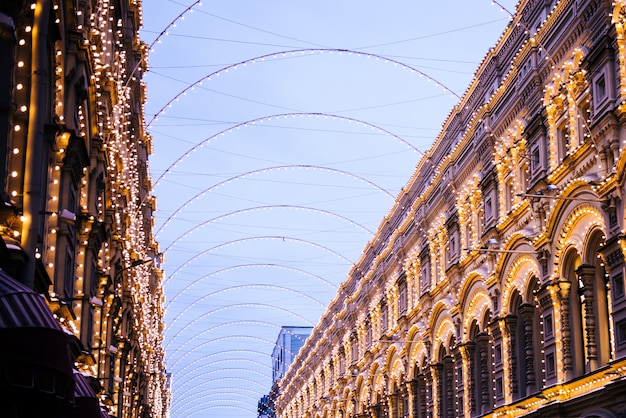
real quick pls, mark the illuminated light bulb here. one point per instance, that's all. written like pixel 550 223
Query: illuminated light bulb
pixel 20 64
pixel 28 29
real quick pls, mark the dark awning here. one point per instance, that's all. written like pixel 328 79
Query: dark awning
pixel 87 404
pixel 34 352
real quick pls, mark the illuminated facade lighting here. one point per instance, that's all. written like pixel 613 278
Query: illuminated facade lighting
pixel 499 289
pixel 75 183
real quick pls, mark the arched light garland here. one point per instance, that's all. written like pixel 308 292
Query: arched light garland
pixel 270 343
pixel 259 171
pixel 253 353
pixel 204 298
pixel 244 266
pixel 279 117
pixel 256 238
pixel 296 53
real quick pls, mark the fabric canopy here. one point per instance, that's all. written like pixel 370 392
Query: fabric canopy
pixel 33 350
pixel 87 404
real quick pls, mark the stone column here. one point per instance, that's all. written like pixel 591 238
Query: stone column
pixel 450 386
pixel 587 274
pixel 527 314
pixel 467 357
pixel 482 350
pixel 436 386
pixel 412 394
pixel 565 331
pixel 459 382
pixel 392 406
pixel 422 394
pixel 510 323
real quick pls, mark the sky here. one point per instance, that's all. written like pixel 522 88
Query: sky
pixel 282 133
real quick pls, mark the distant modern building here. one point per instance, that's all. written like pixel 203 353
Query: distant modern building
pixel 495 285
pixel 289 342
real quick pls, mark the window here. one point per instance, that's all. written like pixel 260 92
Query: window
pixel 547 325
pixel 488 209
pixel 582 125
pixel 342 362
pixel 550 366
pixel 354 348
pixel 618 286
pixel 368 333
pixel 562 141
pixel 68 276
pixel 498 354
pixel 425 282
pixel 508 196
pixel 384 317
pixel 499 387
pixel 621 332
pixel 535 160
pixel 600 89
pixel 402 297
pixel 452 249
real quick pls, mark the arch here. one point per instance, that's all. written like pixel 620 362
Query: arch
pixel 365 395
pixel 520 274
pixel 598 413
pixel 396 370
pixel 473 279
pixel 476 303
pixel 442 325
pixel 417 358
pixel 572 219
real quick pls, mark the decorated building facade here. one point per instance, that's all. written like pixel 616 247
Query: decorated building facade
pixel 76 214
pixel 495 285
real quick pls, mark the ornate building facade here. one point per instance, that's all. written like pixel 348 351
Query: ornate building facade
pixel 495 286
pixel 76 213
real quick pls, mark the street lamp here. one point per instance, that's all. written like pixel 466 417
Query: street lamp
pixel 393 338
pixel 551 188
pixel 494 242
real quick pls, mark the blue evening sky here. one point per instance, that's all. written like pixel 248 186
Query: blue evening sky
pixel 302 121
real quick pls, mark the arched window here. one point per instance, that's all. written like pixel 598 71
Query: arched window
pixel 593 282
pixel 575 333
